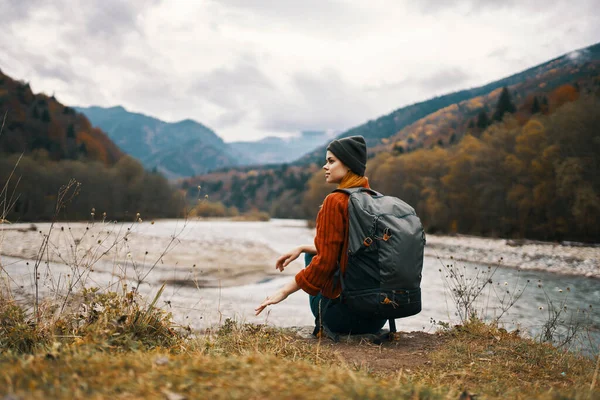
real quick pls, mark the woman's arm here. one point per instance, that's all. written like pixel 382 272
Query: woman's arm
pixel 291 286
pixel 290 256
pixel 278 296
pixel 327 247
pixel 331 232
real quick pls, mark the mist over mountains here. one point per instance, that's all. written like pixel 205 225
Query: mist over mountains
pixel 188 148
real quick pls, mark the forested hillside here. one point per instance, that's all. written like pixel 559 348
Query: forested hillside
pixel 580 65
pixel 277 189
pixel 37 121
pixel 537 180
pixel 44 144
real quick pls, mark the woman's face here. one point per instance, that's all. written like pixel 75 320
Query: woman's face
pixel 335 170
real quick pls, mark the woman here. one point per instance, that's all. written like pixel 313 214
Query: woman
pixel 345 166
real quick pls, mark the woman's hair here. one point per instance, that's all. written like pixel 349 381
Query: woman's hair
pixel 351 180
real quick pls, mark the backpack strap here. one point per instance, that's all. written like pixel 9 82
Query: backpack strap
pixel 389 337
pixel 392 324
pixel 350 191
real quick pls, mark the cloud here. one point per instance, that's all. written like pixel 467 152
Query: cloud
pixel 446 78
pixel 478 6
pixel 13 11
pixel 436 82
pixel 316 101
pixel 335 18
pixel 112 18
pixel 250 70
pixel 499 52
pixel 232 86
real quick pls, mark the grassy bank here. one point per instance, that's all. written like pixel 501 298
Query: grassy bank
pixel 252 361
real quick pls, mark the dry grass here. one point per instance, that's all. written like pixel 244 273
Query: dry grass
pixel 236 362
pixel 250 361
pixel 491 361
pixel 158 374
pixel 105 320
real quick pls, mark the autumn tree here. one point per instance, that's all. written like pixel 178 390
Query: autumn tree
pixel 540 180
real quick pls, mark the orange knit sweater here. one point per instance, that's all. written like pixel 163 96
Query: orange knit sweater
pixel 331 242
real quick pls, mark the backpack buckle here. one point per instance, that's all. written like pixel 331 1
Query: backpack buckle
pixel 386 234
pixel 368 241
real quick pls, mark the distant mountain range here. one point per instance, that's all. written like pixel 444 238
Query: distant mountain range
pixel 183 148
pixel 188 148
pixel 276 150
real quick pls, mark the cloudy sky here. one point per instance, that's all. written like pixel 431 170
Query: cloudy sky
pixel 251 68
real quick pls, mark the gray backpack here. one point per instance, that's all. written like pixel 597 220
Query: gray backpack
pixel 385 257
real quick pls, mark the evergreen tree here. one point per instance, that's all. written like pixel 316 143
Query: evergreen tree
pixel 482 120
pixel 71 145
pixel 71 132
pixel 46 116
pixel 544 104
pixel 83 149
pixel 536 108
pixel 36 113
pixel 505 105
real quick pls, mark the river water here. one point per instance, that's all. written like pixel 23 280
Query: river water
pixel 204 307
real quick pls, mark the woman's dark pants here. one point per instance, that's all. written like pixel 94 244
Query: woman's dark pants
pixel 339 318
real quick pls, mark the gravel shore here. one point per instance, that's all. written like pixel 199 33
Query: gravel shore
pixel 542 256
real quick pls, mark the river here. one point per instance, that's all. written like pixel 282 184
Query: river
pixel 203 307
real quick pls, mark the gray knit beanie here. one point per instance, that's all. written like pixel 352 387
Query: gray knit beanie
pixel 352 151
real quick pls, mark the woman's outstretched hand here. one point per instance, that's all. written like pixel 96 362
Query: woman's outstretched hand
pixel 287 258
pixel 280 295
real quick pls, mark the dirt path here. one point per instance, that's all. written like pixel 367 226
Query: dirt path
pixel 408 351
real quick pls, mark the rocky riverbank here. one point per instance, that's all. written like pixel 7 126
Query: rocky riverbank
pixel 557 258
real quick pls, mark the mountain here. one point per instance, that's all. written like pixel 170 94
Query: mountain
pixel 274 150
pixel 39 122
pixel 184 148
pixel 53 164
pixel 578 64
